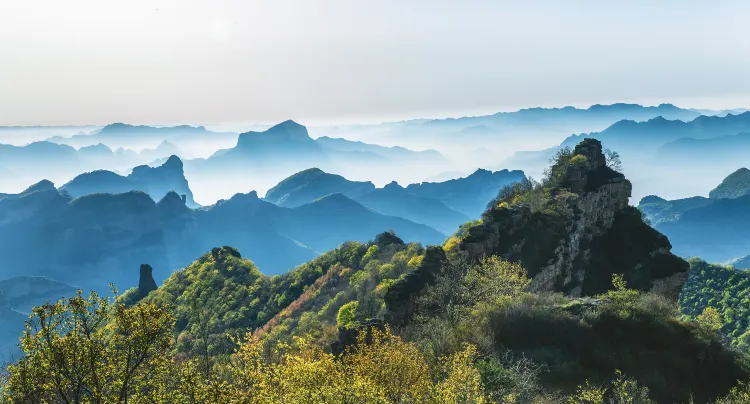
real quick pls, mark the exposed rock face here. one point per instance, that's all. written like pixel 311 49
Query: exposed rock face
pixel 146 282
pixel 400 299
pixel 594 235
pixel 348 336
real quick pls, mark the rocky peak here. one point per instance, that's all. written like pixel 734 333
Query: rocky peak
pixel 592 234
pixel 146 282
pixel 587 233
pixel 592 150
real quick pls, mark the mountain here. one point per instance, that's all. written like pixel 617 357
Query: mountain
pixel 392 153
pixel 341 215
pixel 721 152
pixel 717 231
pixel 12 323
pixel 23 293
pixel 468 195
pixel 395 200
pixel 260 160
pixel 628 135
pixel 155 181
pixel 309 185
pixel 548 298
pixel 735 185
pixel 528 128
pixel 287 141
pixel 137 136
pixel 95 239
pixel 574 232
pixel 38 155
pixel 573 242
pixel 740 263
pixel 713 228
pixel 658 210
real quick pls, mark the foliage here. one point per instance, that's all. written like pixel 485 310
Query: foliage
pixel 221 294
pixel 92 350
pixel 347 316
pixel 385 370
pixel 718 296
pixel 579 160
pixel 357 283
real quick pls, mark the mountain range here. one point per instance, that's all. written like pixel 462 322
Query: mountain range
pixel 155 181
pixel 95 239
pixel 716 228
pixel 121 135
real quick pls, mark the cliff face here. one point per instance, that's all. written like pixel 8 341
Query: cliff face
pixel 596 235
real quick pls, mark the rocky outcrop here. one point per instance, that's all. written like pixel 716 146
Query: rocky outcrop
pixel 589 234
pixel 146 282
pixel 348 336
pixel 400 300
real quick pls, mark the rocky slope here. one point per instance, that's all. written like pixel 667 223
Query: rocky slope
pixel 571 237
pixel 579 251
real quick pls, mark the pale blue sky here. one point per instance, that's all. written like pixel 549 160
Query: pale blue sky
pixel 170 61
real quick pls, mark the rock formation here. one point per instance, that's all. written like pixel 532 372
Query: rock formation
pixel 578 252
pixel 400 299
pixel 146 282
pixel 573 241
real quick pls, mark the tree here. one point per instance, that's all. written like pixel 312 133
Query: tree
pixel 92 350
pixel 612 159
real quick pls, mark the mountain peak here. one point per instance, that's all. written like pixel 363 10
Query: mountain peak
pixel 173 163
pixel 43 185
pixel 608 235
pixel 392 186
pixel 289 129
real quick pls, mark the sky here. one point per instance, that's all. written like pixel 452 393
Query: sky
pixel 77 62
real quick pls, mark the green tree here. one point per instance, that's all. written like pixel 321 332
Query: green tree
pixel 91 349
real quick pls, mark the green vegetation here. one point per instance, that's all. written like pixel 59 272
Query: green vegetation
pixel 390 322
pixel 724 291
pixel 349 293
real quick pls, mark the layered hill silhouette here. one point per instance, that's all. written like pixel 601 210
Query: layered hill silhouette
pixel 545 124
pixel 155 181
pixel 714 228
pixel 93 239
pixel 309 185
pixel 127 136
pixel 443 206
pixel 627 135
